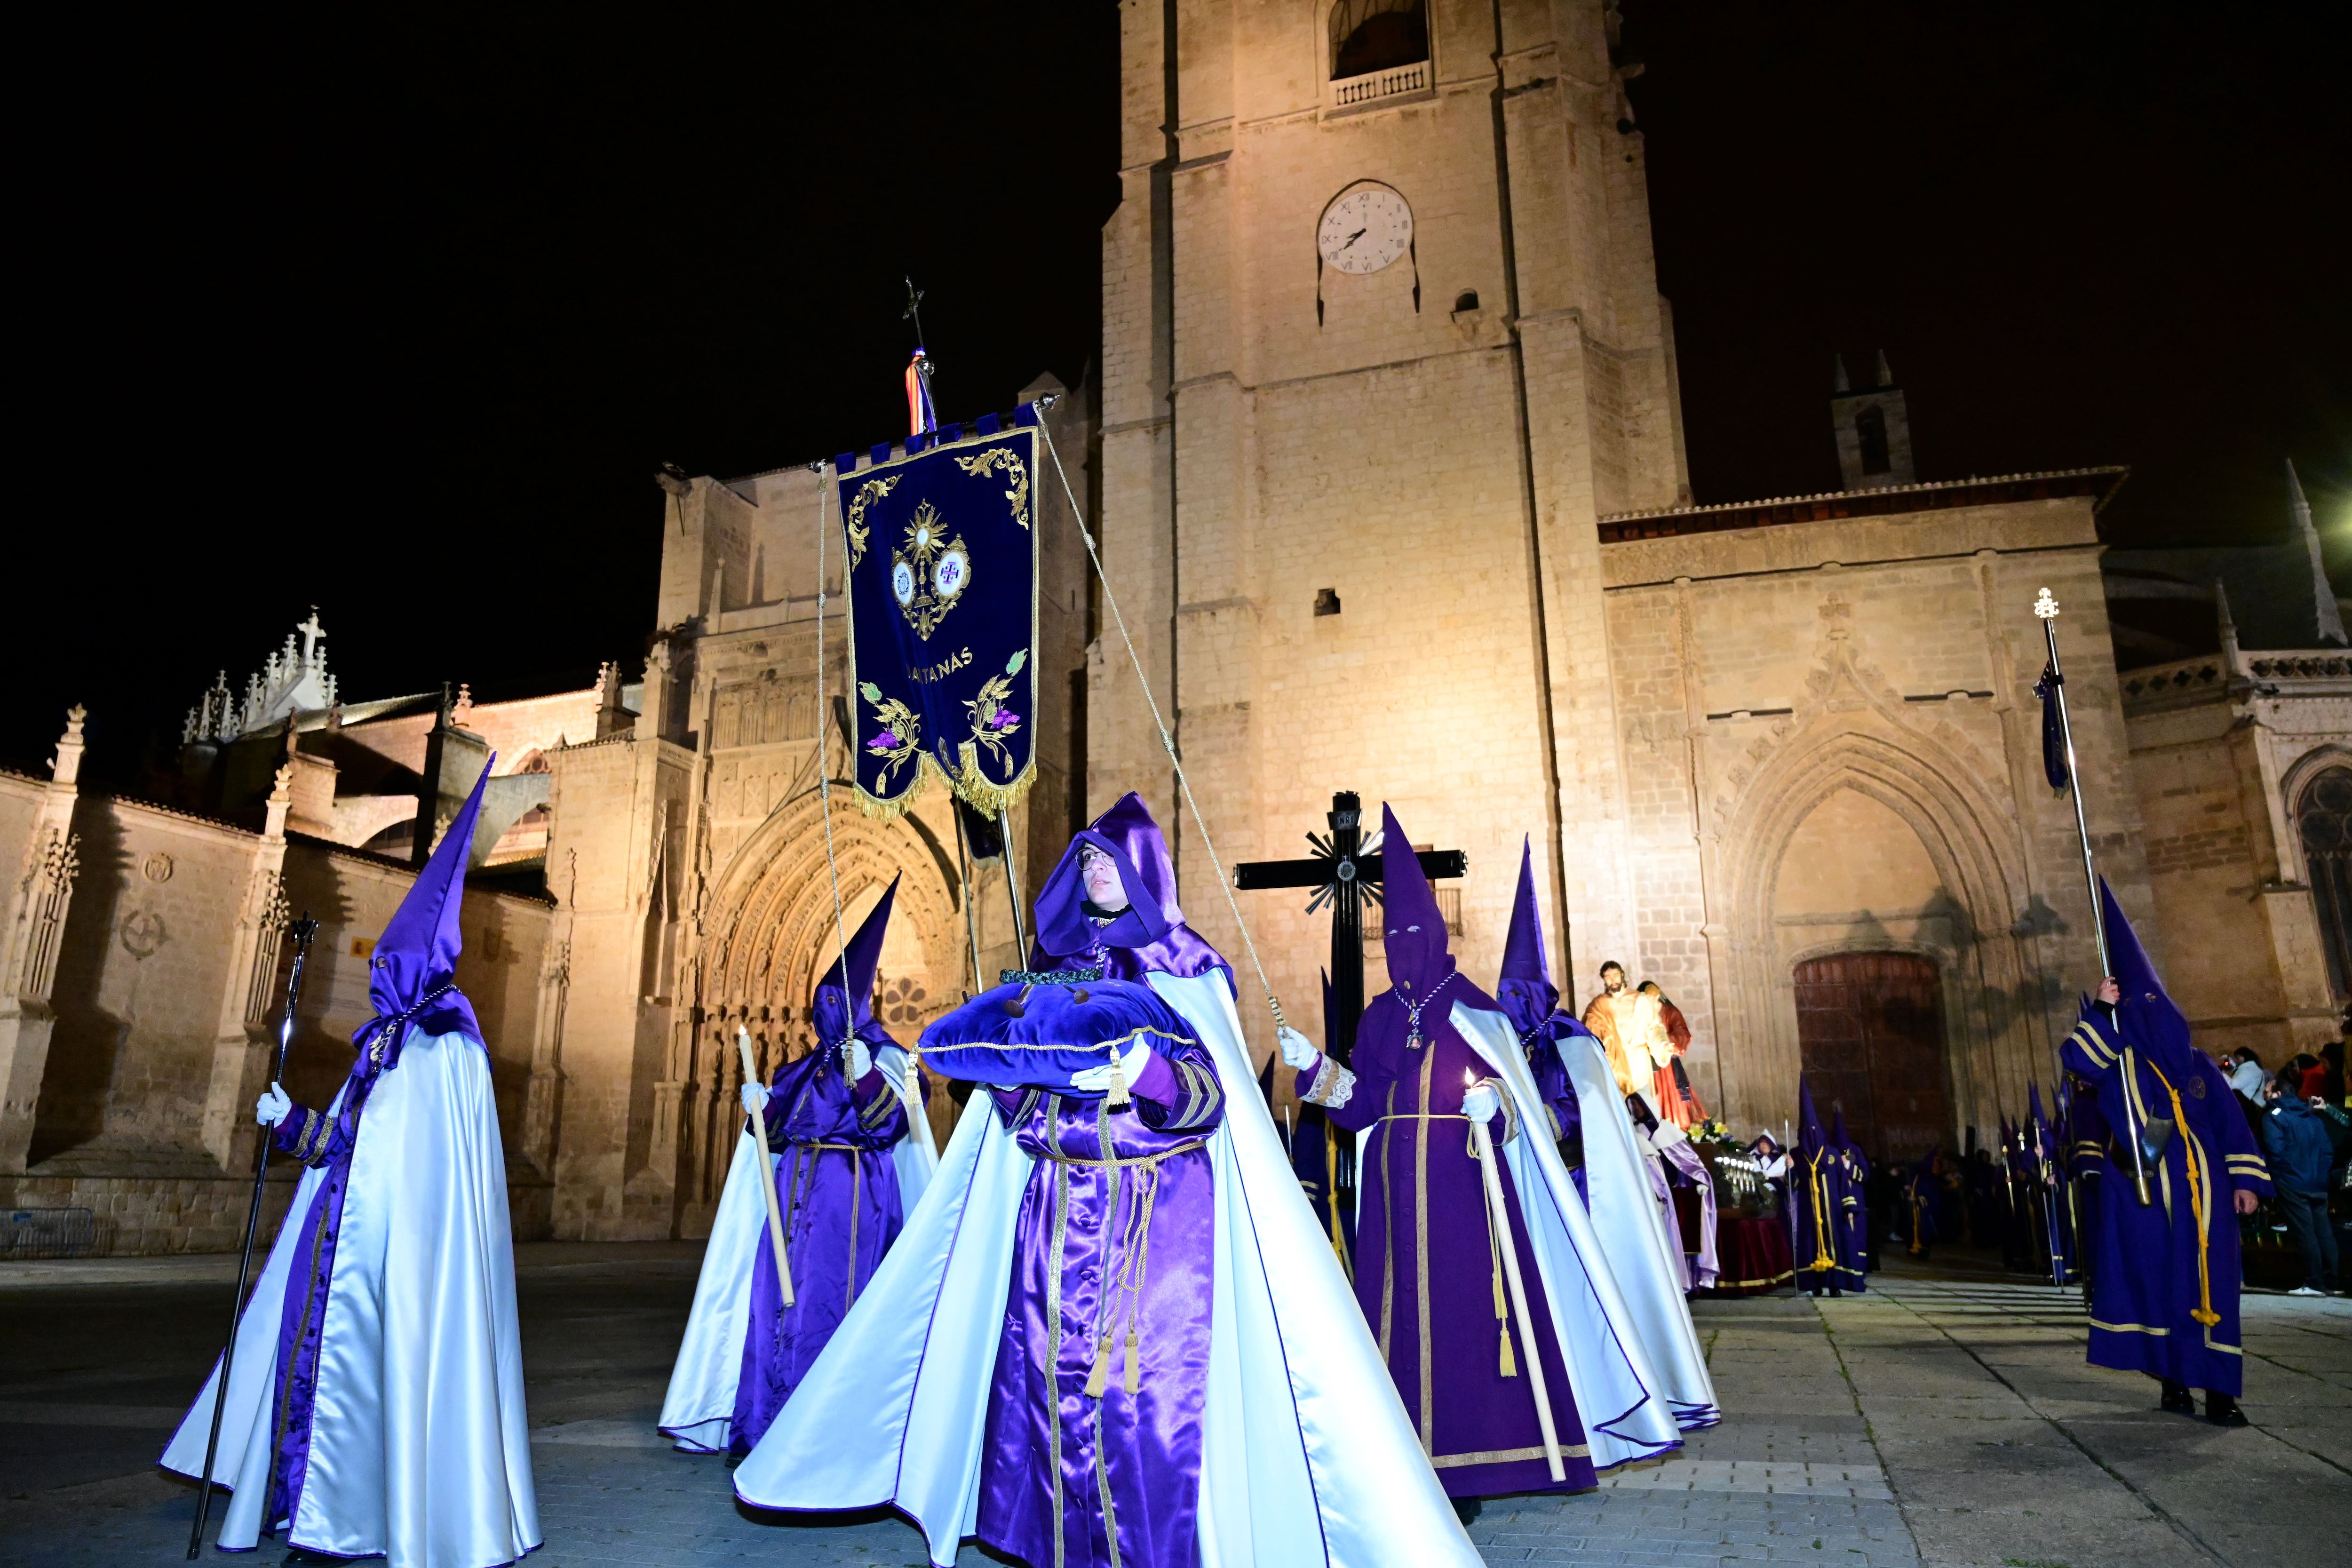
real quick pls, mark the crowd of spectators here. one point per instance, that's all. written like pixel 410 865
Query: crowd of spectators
pixel 2304 1126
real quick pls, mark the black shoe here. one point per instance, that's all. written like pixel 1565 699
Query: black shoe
pixel 1466 1509
pixel 2223 1411
pixel 2178 1399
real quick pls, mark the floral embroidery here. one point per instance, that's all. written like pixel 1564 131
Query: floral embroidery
pixel 900 735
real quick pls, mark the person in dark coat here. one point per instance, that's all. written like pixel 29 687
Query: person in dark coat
pixel 2301 1155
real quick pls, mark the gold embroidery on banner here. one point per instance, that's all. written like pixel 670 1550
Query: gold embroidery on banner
pixel 859 530
pixel 928 571
pixel 993 722
pixel 900 737
pixel 1008 459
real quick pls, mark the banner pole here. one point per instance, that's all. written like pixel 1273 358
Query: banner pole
pixel 971 916
pixel 2045 608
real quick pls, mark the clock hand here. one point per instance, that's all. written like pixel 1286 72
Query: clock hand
pixel 1353 237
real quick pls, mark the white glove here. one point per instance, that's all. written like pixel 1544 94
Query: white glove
pixel 273 1106
pixel 1095 1080
pixel 1481 1102
pixel 755 1098
pixel 1298 1050
pixel 860 1059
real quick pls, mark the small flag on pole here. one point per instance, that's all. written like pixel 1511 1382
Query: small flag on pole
pixel 921 417
pixel 2053 730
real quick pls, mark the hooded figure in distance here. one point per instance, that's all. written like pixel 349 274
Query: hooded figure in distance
pixel 1620 1176
pixel 850 1152
pixel 377 1403
pixel 1435 1052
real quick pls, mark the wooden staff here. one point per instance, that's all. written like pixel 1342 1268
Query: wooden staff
pixel 1528 1349
pixel 767 1170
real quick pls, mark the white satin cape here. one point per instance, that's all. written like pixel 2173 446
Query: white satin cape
pixel 1647 1261
pixel 1619 1395
pixel 700 1403
pixel 420 1449
pixel 1306 1454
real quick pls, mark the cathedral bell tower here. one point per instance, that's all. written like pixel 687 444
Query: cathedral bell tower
pixel 1382 339
pixel 1874 430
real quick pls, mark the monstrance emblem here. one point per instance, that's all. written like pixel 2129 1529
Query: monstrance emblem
pixel 928 571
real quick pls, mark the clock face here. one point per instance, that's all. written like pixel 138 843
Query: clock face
pixel 1365 229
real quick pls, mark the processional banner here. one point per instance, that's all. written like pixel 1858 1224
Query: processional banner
pixel 942 546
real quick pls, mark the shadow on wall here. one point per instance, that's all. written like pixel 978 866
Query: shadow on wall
pixel 87 1041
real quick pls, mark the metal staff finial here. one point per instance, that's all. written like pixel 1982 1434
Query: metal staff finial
pixel 2046 606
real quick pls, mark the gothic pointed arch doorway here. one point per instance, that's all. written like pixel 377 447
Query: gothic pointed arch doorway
pixel 1870 1029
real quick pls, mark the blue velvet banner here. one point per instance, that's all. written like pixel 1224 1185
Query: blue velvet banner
pixel 943 617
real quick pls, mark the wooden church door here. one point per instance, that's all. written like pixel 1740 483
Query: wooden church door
pixel 1870 1026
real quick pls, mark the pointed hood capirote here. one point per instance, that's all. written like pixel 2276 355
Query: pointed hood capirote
pixel 1810 1139
pixel 2145 1013
pixel 843 1002
pixel 1148 936
pixel 1524 988
pixel 1414 928
pixel 413 974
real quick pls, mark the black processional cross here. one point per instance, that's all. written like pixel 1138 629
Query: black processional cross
pixel 1344 872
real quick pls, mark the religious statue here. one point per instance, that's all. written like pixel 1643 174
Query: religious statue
pixel 1631 1028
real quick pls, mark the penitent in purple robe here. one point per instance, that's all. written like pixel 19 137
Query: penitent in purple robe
pixel 839 1191
pixel 1828 1252
pixel 1428 1267
pixel 1113 1267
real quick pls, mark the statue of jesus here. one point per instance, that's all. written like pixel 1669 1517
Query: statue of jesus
pixel 1633 1032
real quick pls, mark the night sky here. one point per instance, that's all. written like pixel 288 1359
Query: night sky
pixel 399 315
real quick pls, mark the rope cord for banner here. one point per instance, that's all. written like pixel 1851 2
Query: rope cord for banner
pixel 1166 742
pixel 824 773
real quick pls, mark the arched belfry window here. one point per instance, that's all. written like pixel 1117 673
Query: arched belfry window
pixel 1377 35
pixel 1870 430
pixel 2324 817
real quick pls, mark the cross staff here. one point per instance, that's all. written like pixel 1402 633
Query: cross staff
pixel 1345 871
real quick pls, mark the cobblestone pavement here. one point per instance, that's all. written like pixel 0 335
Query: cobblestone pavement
pixel 1943 1420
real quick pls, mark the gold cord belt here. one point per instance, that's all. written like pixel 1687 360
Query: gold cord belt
pixel 1136 1162
pixel 856 1203
pixel 1122 1293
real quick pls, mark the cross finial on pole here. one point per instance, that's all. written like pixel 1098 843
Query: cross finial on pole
pixel 2046 606
pixel 311 632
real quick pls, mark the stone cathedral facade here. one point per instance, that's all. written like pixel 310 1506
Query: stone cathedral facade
pixel 1386 461
pixel 1394 490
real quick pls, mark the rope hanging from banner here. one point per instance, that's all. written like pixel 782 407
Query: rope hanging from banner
pixel 1167 743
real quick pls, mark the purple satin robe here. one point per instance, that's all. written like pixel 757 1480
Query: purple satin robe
pixel 1113 1260
pixel 840 1195
pixel 1426 1267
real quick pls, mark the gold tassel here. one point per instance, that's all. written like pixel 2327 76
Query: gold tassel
pixel 1097 1379
pixel 1117 1095
pixel 1134 1377
pixel 1510 1363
